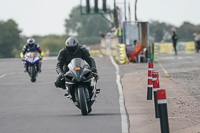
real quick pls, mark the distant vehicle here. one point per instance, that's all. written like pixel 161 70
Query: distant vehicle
pixel 81 85
pixel 31 58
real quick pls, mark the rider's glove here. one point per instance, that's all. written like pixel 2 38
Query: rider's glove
pixel 41 58
pixel 94 70
pixel 95 74
pixel 62 76
pixel 23 59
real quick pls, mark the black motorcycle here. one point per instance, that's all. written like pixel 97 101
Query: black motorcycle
pixel 81 85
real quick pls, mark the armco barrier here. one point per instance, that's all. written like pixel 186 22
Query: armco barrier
pixel 120 56
pixel 189 47
pixel 94 51
pixel 155 52
pixel 166 48
pixel 186 47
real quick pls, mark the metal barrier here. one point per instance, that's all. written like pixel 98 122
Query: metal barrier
pixel 94 51
pixel 182 47
pixel 187 47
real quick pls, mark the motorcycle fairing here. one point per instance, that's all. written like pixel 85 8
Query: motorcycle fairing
pixel 32 57
pixel 78 71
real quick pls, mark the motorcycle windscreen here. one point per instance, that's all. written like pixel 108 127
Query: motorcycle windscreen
pixel 31 57
pixel 77 66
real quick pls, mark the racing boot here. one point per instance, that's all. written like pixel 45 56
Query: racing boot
pixel 67 94
pixel 97 90
pixel 90 110
pixel 25 70
pixel 39 69
pixel 25 67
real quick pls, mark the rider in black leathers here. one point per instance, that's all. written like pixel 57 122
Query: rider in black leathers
pixel 70 51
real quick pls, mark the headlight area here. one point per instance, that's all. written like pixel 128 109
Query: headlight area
pixel 88 75
pixel 68 78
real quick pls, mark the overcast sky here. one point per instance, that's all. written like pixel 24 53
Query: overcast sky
pixel 43 17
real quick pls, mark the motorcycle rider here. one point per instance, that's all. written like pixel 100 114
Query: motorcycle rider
pixel 31 46
pixel 70 51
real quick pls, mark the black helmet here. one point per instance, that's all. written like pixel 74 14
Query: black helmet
pixel 71 44
pixel 31 42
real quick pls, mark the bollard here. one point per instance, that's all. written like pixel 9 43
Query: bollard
pixel 162 105
pixel 150 85
pixel 156 86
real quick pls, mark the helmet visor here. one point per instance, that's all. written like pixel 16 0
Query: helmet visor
pixel 72 49
pixel 30 44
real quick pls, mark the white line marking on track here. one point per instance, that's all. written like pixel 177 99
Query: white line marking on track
pixel 175 58
pixel 165 71
pixel 1 76
pixel 124 117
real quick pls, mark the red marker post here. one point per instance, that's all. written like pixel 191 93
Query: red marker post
pixel 162 105
pixel 156 86
pixel 150 85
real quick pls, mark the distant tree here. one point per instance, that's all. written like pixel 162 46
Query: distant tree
pixel 9 38
pixel 160 31
pixel 186 30
pixel 53 43
pixel 87 27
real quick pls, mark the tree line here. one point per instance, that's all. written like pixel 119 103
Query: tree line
pixel 87 29
pixel 160 31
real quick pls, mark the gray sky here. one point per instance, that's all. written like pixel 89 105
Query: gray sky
pixel 44 17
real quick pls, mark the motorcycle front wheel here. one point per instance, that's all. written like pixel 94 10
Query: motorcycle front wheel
pixel 33 72
pixel 82 101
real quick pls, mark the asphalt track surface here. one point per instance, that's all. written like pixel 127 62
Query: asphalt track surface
pixel 39 107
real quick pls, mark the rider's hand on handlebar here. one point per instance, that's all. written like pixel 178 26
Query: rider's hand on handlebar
pixel 94 70
pixel 97 77
pixel 95 74
pixel 62 75
pixel 41 58
pixel 23 59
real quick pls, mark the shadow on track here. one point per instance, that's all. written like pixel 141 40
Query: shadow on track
pixel 92 114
